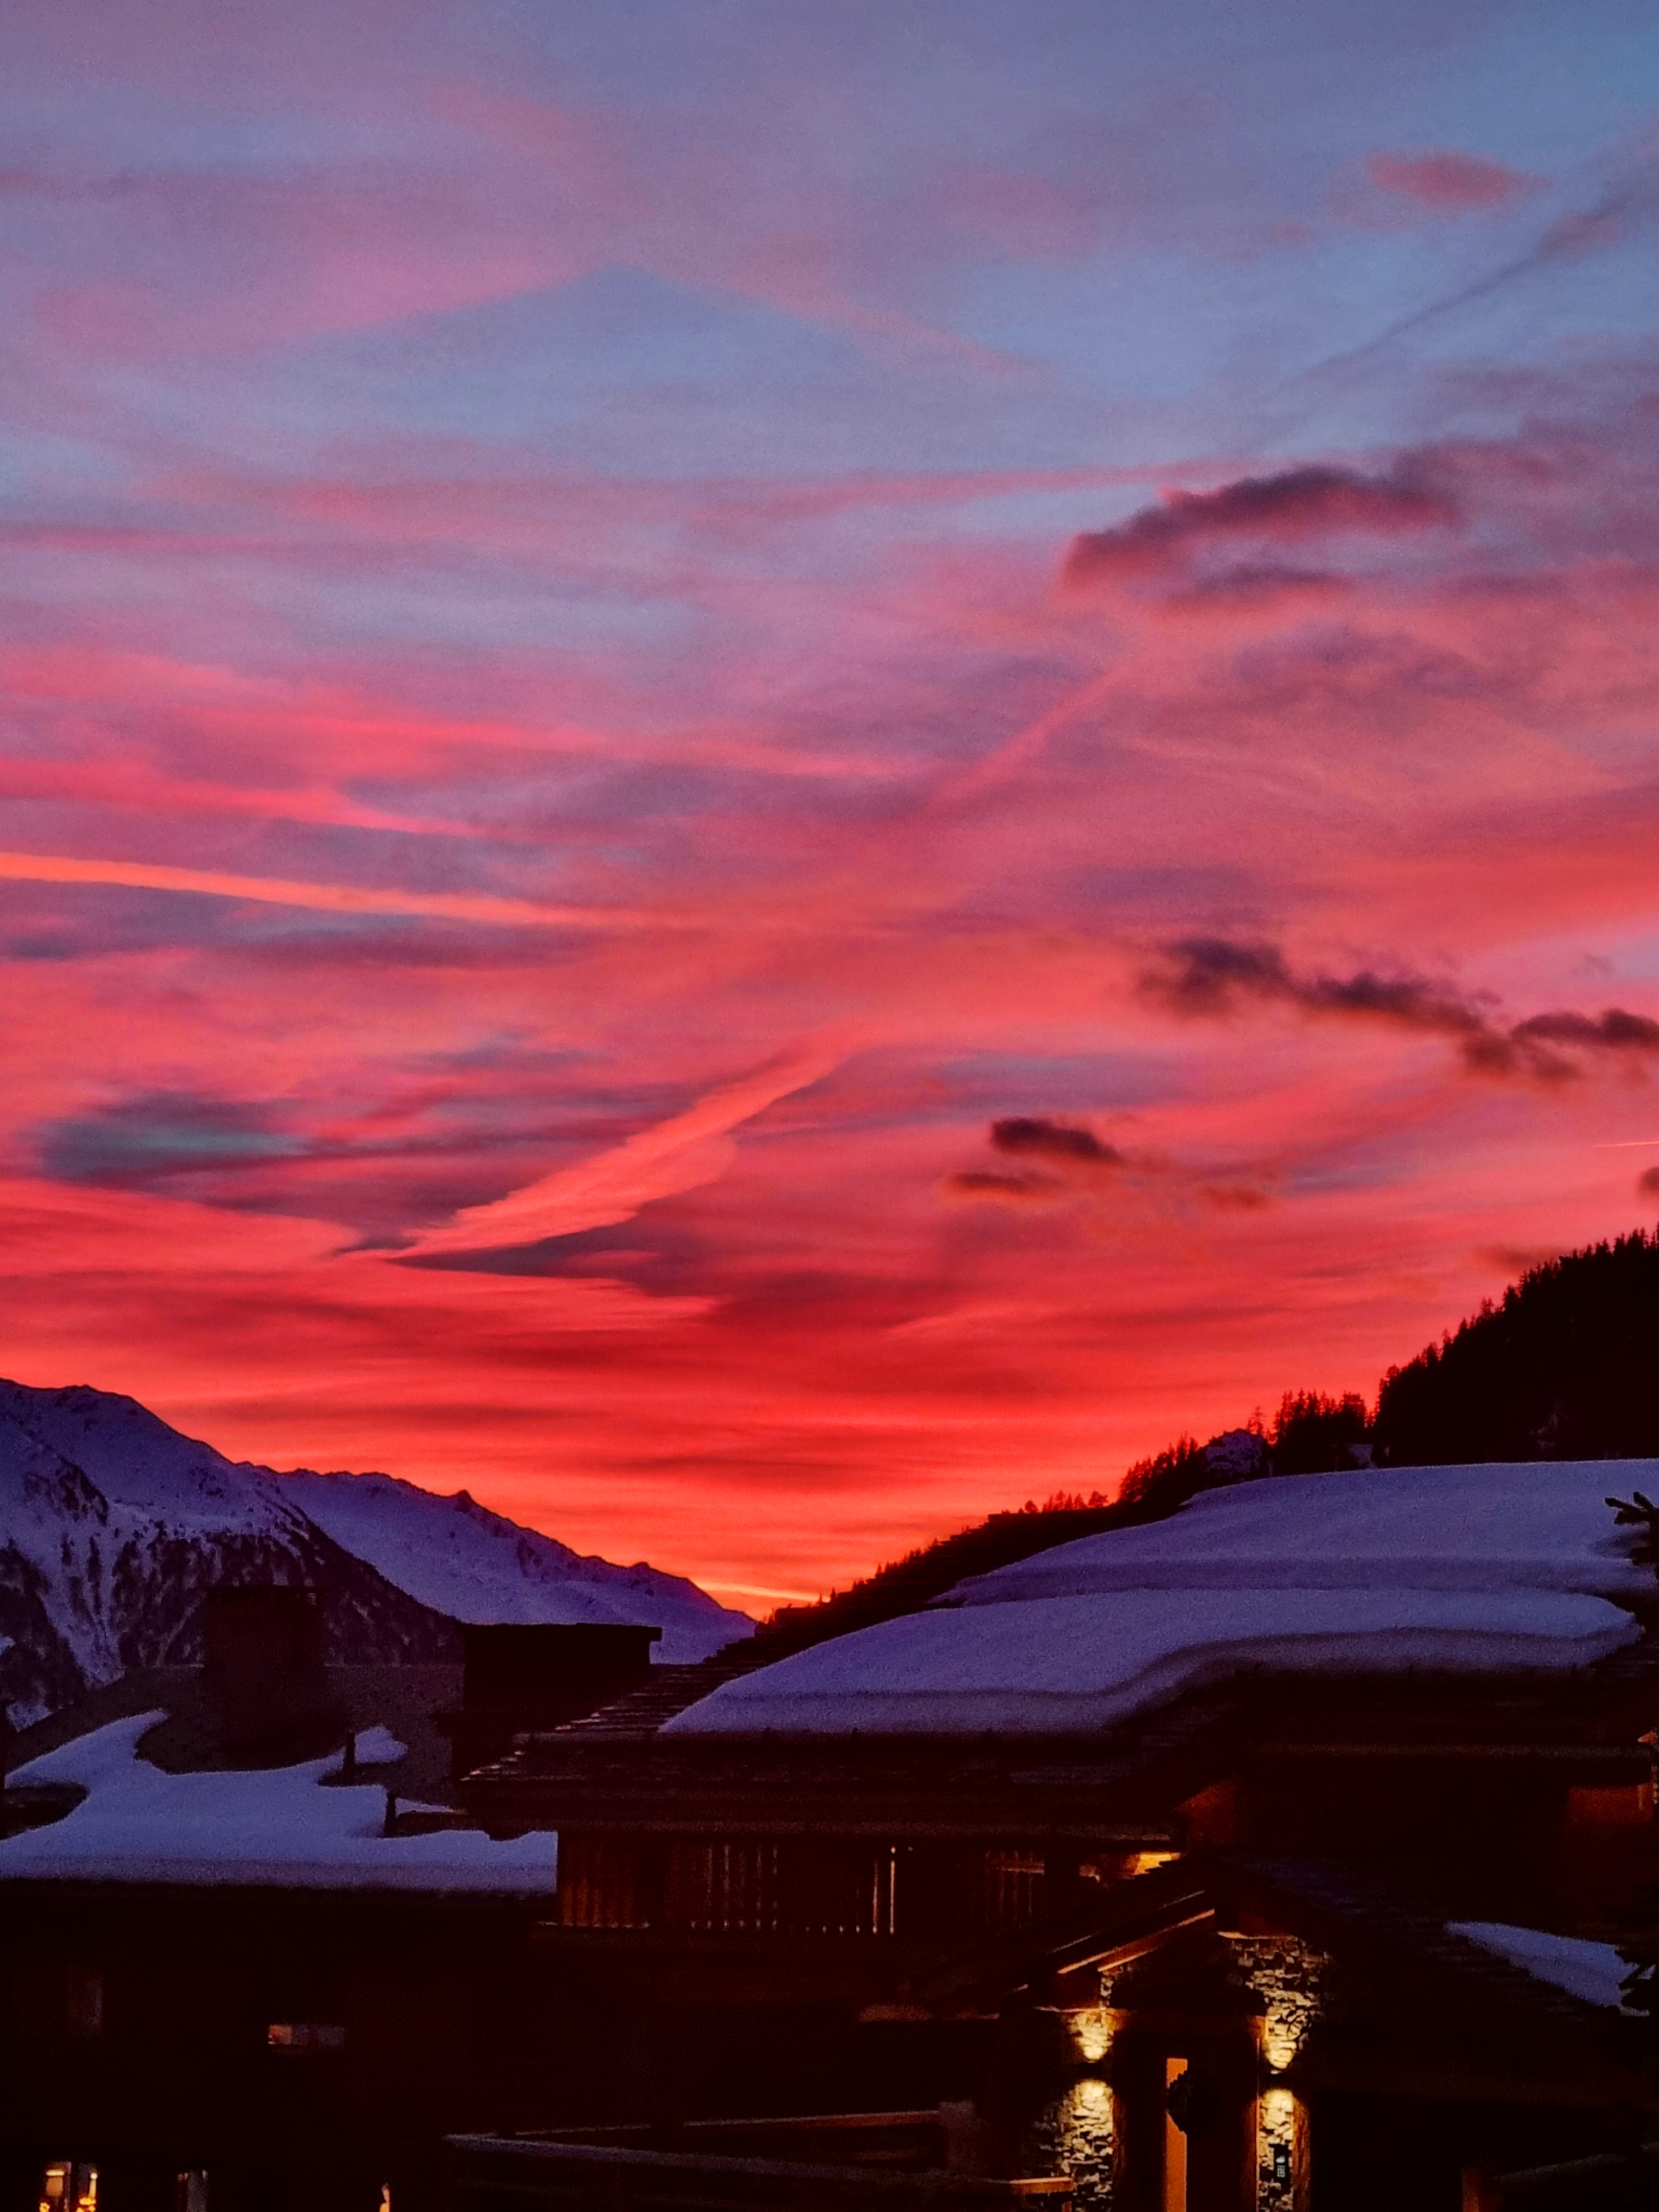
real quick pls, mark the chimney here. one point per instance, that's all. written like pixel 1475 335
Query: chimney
pixel 517 1679
pixel 262 1667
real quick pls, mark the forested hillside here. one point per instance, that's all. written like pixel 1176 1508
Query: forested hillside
pixel 1564 1366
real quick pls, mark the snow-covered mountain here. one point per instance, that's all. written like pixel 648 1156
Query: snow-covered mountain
pixel 113 1526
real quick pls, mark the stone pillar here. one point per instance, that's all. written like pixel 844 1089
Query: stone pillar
pixel 1186 2067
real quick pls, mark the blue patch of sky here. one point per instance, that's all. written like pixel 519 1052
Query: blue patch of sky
pixel 1079 1083
pixel 627 372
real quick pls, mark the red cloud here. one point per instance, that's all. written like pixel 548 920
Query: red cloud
pixel 1449 184
pixel 1300 503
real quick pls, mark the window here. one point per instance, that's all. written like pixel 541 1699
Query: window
pixel 304 2035
pixel 68 2185
pixel 741 1885
pixel 1012 1893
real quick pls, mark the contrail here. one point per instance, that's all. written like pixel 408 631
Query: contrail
pixel 1629 198
pixel 322 899
pixel 690 1148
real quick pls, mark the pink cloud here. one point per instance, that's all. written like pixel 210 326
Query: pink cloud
pixel 313 897
pixel 1449 183
pixel 318 751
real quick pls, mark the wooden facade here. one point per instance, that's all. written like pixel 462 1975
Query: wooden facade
pixel 1205 1962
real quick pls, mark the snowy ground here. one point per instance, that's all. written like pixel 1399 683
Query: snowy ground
pixel 275 1827
pixel 1449 1568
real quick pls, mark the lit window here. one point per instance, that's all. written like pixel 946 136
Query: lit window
pixel 67 2185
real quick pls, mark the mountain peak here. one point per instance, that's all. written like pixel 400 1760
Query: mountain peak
pixel 115 1525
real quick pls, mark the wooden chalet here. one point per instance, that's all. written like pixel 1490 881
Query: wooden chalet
pixel 1207 1960
pixel 1269 1939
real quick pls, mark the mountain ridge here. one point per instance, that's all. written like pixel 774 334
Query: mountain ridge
pixel 113 1526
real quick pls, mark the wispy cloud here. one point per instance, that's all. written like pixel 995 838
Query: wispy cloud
pixel 535 587
pixel 676 1155
pixel 317 897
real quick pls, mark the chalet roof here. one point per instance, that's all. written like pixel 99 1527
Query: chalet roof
pixel 138 1783
pixel 191 1737
pixel 303 1825
pixel 1488 1571
pixel 1123 1782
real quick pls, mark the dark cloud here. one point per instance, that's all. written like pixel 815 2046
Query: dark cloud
pixel 425 1140
pixel 657 1251
pixel 1215 976
pixel 147 1141
pixel 1647 1183
pixel 1614 1030
pixel 1234 1197
pixel 1077 1165
pixel 1034 1136
pixel 1016 1189
pixel 1208 975
pixel 1297 504
pixel 1258 587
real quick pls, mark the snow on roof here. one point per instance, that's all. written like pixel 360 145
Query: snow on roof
pixel 273 1827
pixel 1062 1664
pixel 1542 1525
pixel 1588 1970
pixel 1463 1568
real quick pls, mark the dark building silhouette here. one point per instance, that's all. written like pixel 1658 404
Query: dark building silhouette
pixel 1273 1940
pixel 517 1677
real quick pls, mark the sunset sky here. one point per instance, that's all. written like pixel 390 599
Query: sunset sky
pixel 777 768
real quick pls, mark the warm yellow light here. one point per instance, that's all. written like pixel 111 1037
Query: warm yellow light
pixel 1090 2034
pixel 1145 1862
pixel 1281 2039
pixel 1089 2100
pixel 1278 2121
